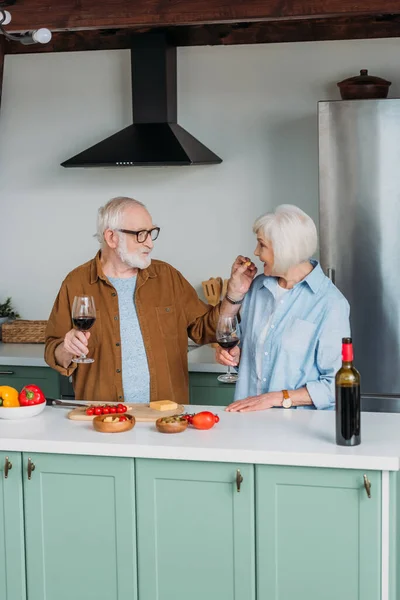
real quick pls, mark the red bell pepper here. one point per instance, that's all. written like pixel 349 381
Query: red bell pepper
pixel 31 394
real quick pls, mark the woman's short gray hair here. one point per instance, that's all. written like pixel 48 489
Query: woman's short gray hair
pixel 292 233
pixel 110 216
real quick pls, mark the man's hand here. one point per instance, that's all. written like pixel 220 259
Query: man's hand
pixel 75 344
pixel 253 403
pixel 228 358
pixel 242 274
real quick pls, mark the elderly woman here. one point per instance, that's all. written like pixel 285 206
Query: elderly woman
pixel 293 319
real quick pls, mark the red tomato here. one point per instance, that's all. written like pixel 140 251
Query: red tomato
pixel 123 418
pixel 113 410
pixel 106 410
pixel 187 418
pixel 90 411
pixel 204 420
pixel 98 410
pixel 121 408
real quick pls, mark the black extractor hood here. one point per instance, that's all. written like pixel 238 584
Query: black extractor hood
pixel 155 138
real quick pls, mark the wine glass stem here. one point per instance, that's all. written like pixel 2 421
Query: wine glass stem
pixel 229 370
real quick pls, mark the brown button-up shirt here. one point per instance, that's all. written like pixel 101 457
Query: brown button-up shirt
pixel 168 310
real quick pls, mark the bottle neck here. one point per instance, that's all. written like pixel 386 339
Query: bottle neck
pixel 347 354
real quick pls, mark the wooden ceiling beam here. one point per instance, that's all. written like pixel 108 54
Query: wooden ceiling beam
pixel 115 14
pixel 224 34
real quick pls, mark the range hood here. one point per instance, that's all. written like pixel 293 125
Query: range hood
pixel 155 138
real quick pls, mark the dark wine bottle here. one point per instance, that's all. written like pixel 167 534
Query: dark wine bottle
pixel 348 399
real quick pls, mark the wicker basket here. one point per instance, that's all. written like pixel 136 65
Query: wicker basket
pixel 24 332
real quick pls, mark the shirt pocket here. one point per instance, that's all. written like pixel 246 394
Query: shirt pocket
pixel 166 316
pixel 298 337
pixel 95 332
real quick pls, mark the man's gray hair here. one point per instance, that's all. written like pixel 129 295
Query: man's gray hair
pixel 292 233
pixel 110 216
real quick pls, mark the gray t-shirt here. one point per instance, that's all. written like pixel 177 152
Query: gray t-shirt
pixel 135 370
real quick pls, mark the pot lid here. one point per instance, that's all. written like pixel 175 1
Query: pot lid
pixel 364 79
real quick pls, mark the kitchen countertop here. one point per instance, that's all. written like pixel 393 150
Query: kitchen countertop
pixel 277 437
pixel 200 358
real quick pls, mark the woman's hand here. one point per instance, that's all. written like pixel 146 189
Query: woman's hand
pixel 242 274
pixel 253 403
pixel 229 359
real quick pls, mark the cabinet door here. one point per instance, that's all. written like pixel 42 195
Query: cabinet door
pixel 205 389
pixel 80 528
pixel 195 531
pixel 47 379
pixel 12 551
pixel 318 534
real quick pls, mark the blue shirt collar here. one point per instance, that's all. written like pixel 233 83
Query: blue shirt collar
pixel 313 280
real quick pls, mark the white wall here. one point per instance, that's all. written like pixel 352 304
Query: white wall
pixel 255 106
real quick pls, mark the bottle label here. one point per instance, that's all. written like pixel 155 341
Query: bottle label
pixel 347 353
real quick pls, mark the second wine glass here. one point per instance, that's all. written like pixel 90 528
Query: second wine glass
pixel 83 318
pixel 228 337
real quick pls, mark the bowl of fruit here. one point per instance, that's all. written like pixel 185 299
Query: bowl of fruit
pixel 27 403
pixel 172 424
pixel 113 423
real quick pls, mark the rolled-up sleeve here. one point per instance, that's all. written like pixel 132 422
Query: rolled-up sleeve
pixel 58 325
pixel 328 354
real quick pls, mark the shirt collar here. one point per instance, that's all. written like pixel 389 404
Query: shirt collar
pixel 96 270
pixel 313 280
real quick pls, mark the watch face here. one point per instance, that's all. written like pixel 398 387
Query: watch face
pixel 287 403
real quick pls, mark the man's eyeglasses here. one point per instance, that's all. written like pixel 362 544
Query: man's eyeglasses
pixel 142 235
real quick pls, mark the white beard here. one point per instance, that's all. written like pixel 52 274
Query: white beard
pixel 134 260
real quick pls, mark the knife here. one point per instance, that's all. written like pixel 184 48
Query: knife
pixel 66 403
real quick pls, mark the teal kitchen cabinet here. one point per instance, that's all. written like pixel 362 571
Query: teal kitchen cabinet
pixel 47 379
pixel 318 534
pixel 195 530
pixel 204 388
pixel 79 527
pixel 12 549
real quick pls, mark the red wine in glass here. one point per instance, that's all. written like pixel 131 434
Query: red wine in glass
pixel 83 318
pixel 227 337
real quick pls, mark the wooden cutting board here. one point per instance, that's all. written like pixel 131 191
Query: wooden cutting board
pixel 141 412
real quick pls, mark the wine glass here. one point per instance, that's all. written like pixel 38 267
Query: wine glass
pixel 83 318
pixel 227 337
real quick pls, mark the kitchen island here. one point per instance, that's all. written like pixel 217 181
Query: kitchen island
pixel 263 505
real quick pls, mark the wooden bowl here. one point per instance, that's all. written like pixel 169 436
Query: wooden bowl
pixel 100 424
pixel 171 427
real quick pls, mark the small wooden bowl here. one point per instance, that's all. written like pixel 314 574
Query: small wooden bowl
pixel 173 427
pixel 101 425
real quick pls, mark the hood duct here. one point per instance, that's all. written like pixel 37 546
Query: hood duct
pixel 155 138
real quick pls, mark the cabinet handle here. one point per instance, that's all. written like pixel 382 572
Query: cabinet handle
pixel 7 467
pixel 367 485
pixel 239 480
pixel 7 372
pixel 31 468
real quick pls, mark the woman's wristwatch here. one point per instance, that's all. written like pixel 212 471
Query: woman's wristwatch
pixel 287 401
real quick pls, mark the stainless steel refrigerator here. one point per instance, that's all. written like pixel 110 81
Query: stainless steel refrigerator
pixel 359 187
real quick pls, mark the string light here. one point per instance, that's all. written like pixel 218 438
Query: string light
pixel 38 36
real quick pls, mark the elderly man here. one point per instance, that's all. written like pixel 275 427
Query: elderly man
pixel 145 311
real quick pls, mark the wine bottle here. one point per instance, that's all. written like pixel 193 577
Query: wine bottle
pixel 348 399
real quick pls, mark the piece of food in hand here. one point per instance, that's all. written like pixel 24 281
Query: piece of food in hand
pixel 31 394
pixel 163 405
pixel 8 397
pixel 204 420
pixel 171 424
pixel 247 263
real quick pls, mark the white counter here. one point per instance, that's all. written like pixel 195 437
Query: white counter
pixel 201 359
pixel 277 436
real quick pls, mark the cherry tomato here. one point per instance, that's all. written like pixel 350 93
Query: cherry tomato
pixel 204 420
pixel 123 418
pixel 106 410
pixel 121 408
pixel 90 411
pixel 187 418
pixel 113 410
pixel 98 410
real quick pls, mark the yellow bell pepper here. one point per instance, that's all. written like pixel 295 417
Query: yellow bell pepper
pixel 8 396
